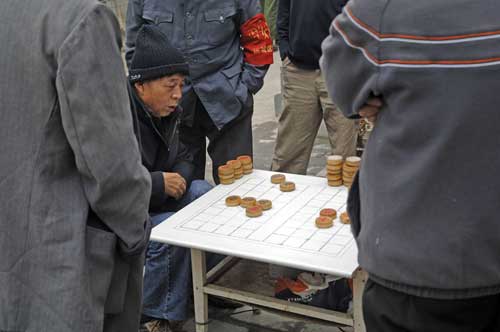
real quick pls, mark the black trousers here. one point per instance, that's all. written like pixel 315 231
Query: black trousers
pixel 386 310
pixel 233 140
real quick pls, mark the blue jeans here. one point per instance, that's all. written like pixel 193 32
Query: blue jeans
pixel 167 279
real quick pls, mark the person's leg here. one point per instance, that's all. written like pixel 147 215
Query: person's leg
pixel 342 132
pixel 299 121
pixel 196 189
pixel 193 137
pixel 167 279
pixel 233 140
pixel 386 310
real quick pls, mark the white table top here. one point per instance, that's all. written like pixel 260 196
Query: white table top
pixel 285 235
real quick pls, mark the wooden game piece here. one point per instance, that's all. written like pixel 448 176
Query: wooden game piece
pixel 334 160
pixel 334 169
pixel 245 160
pixel 353 161
pixel 235 164
pixel 225 170
pixel 237 168
pixel 226 177
pixel 350 168
pixel 335 183
pixel 265 204
pixel 335 177
pixel 278 178
pixel 233 200
pixel 254 211
pixel 324 222
pixel 287 186
pixel 330 213
pixel 344 218
pixel 248 201
pixel 227 182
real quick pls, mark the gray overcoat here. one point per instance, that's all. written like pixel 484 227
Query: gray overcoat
pixel 73 193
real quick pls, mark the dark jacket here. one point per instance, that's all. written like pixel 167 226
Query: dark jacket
pixel 161 151
pixel 425 212
pixel 302 26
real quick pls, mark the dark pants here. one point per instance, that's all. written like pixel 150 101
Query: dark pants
pixel 233 140
pixel 386 310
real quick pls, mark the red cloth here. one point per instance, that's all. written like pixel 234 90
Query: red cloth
pixel 256 41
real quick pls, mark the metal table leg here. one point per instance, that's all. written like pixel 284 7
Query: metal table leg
pixel 359 281
pixel 198 263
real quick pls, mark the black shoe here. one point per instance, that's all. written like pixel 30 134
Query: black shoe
pixel 221 303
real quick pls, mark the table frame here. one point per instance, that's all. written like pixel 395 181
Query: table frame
pixel 203 286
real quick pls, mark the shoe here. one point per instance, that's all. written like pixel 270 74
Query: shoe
pixel 162 325
pixel 221 303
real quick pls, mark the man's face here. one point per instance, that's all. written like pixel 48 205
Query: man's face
pixel 161 95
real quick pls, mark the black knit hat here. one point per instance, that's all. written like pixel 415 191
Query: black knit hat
pixel 155 56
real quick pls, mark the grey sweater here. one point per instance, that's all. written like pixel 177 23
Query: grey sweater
pixel 425 211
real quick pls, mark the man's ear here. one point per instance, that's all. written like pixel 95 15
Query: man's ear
pixel 139 87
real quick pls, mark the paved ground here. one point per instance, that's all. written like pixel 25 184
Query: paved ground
pixel 252 274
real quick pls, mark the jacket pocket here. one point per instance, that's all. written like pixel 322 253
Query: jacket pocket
pixel 354 206
pixel 101 253
pixel 164 19
pixel 218 25
pixel 233 75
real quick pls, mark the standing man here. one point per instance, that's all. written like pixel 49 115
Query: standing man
pixel 302 26
pixel 73 192
pixel 228 48
pixel 424 207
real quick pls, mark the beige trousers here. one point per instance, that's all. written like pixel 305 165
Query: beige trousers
pixel 305 104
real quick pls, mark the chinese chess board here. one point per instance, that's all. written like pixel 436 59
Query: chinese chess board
pixel 285 235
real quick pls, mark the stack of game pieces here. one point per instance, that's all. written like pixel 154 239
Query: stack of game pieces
pixel 247 164
pixel 334 170
pixel 326 217
pixel 349 170
pixel 226 174
pixel 237 167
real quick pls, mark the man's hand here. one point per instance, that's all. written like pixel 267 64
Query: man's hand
pixel 175 185
pixel 370 109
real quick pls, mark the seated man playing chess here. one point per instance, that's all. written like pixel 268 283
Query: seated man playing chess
pixel 156 80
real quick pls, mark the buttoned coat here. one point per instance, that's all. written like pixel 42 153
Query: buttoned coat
pixel 208 34
pixel 73 192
